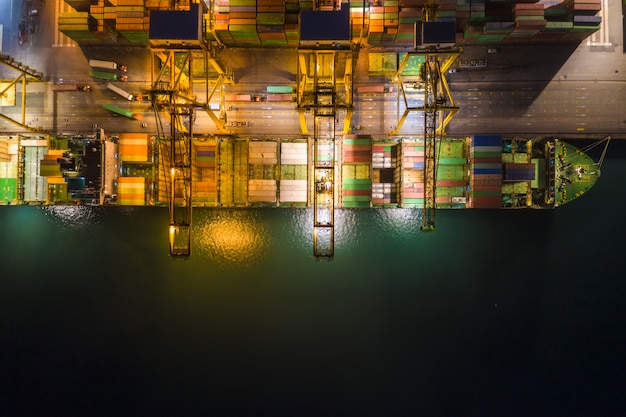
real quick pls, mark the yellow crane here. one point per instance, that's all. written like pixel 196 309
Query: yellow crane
pixel 435 46
pixel 173 95
pixel 8 89
pixel 324 89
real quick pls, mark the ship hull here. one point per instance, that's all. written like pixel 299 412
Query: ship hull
pixel 483 171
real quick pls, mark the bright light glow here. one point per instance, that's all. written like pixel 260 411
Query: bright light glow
pixel 73 217
pixel 233 237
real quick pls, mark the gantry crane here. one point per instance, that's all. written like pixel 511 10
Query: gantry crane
pixel 435 45
pixel 324 88
pixel 184 80
pixel 25 75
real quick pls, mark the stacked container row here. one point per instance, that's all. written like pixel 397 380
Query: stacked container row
pixel 382 22
pixel 263 158
pixel 132 18
pixel 356 167
pixel 232 172
pixel 131 191
pixel 293 173
pixel 8 171
pixel 386 174
pixel 105 29
pixel 486 177
pixel 35 186
pixel 204 178
pixel 412 174
pixel 135 152
pixel 451 182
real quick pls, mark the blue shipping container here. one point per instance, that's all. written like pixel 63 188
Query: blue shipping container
pixel 487 171
pixel 487 140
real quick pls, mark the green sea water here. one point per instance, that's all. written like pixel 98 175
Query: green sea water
pixel 496 313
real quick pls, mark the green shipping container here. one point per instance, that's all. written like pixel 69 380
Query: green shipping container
pixel 8 190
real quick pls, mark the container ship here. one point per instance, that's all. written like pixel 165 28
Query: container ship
pixel 132 169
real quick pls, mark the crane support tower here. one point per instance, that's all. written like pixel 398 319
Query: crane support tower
pixel 435 48
pixel 186 75
pixel 25 75
pixel 325 69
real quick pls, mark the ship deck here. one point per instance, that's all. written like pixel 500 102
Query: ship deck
pixel 482 171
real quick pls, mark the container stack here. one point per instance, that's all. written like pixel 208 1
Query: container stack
pixel 376 25
pixel 554 30
pixel 385 174
pixel 35 186
pixel 105 29
pixel 584 7
pixel 79 26
pixel 233 172
pixel 359 18
pixel 356 167
pixel 132 20
pixel 486 180
pixel 153 4
pixel 79 5
pixel 472 31
pixel 447 9
pixel 496 32
pixel 409 13
pixel 221 12
pixel 134 147
pixel 412 174
pixel 131 191
pixel 451 167
pixel 293 173
pixel 270 22
pixel 8 171
pixel 391 13
pixel 242 21
pixel 262 157
pixel 477 11
pixel 57 190
pixel 584 19
pixel 204 172
pixel 305 4
pixel 500 21
pixel 462 11
pixel 529 21
pixel 49 167
pixel 292 19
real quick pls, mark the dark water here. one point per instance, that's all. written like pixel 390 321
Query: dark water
pixel 497 313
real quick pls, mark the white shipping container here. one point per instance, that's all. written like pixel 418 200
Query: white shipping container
pixel 294 191
pixel 97 63
pixel 293 153
pixel 120 91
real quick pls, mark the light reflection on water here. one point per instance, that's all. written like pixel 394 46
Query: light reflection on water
pixel 230 237
pixel 243 237
pixel 74 217
pixel 400 224
pixel 359 225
